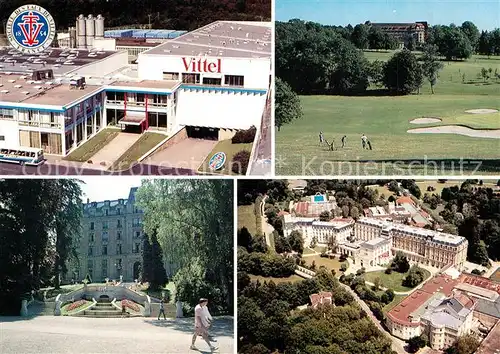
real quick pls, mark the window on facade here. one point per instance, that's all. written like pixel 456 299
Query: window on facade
pixel 119 249
pixel 92 225
pixel 105 224
pixel 140 97
pixel 105 236
pixel 136 209
pixel 119 263
pixel 106 212
pixel 119 96
pixel 137 234
pixel 6 113
pixel 118 211
pixel 104 250
pixel 212 81
pixel 234 80
pixel 91 251
pixel 2 137
pixel 137 248
pixel 190 78
pixel 104 267
pixel 91 237
pixel 118 224
pixel 118 235
pixel 170 76
pixel 90 266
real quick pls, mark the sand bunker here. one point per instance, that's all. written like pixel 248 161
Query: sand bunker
pixel 457 129
pixel 481 111
pixel 425 120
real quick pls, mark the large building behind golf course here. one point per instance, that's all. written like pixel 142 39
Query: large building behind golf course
pixel 211 82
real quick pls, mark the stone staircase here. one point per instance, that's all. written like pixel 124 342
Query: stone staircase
pixel 102 309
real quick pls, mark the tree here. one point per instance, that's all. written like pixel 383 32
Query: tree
pixel 332 243
pixel 244 238
pixel 193 220
pixel 484 44
pixel 400 263
pixel 324 216
pixel 415 276
pixel 296 241
pixel 153 270
pixel 376 38
pixel 376 72
pixel 287 104
pixel 377 283
pixel 415 343
pixel 402 73
pixel 431 65
pixel 354 212
pixel 360 36
pixel 466 344
pixel 472 33
pixel 455 45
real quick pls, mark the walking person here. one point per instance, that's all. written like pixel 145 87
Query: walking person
pixel 321 138
pixel 364 141
pixel 344 141
pixel 199 328
pixel 162 310
pixel 208 322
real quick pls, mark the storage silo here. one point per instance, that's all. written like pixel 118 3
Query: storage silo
pixel 99 27
pixel 90 31
pixel 72 37
pixel 80 32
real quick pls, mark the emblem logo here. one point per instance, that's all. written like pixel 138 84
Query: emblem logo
pixel 30 29
pixel 217 161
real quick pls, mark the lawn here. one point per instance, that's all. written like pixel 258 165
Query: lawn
pixel 246 218
pixel 230 149
pixel 440 186
pixel 496 275
pixel 385 120
pixel 320 249
pixel 393 303
pixel 84 152
pixel 146 142
pixel 293 278
pixel 170 287
pixel 307 250
pixel 392 281
pixel 326 262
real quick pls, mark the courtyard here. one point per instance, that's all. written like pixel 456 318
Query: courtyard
pixel 325 262
pixel 392 281
pixel 66 334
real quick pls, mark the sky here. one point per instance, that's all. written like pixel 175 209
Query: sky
pixel 98 188
pixel 485 14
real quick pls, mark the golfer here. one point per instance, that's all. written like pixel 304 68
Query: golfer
pixel 321 138
pixel 364 141
pixel 199 328
pixel 344 141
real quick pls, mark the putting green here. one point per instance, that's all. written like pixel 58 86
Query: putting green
pixel 385 120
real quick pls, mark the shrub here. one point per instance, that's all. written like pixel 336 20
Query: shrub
pixel 240 161
pixel 244 136
pixel 343 267
pixel 323 255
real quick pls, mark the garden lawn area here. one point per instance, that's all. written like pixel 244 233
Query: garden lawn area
pixel 230 149
pixel 393 303
pixel 145 143
pixel 381 190
pixel 326 262
pixel 307 250
pixel 385 120
pixel 84 152
pixel 320 249
pixel 293 278
pixel 440 186
pixel 170 287
pixel 392 281
pixel 246 218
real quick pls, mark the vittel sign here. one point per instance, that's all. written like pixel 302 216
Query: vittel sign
pixel 201 65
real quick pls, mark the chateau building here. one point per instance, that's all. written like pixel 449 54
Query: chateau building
pixel 402 31
pixel 112 241
pixel 374 240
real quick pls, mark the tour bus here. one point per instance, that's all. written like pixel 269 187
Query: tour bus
pixel 22 155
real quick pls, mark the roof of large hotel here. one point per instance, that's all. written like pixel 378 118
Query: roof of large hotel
pixel 440 284
pixel 21 89
pixel 61 61
pixel 227 39
pixel 480 281
pixel 148 84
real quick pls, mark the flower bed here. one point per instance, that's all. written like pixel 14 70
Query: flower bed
pixel 131 305
pixel 75 305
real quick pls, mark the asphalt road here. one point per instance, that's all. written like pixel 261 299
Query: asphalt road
pixel 66 334
pixel 47 169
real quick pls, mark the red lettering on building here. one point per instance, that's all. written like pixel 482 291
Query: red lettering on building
pixel 202 65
